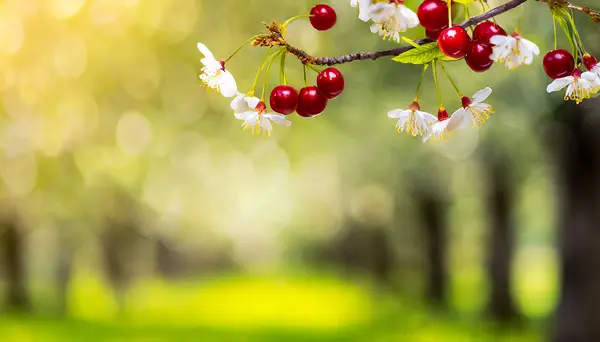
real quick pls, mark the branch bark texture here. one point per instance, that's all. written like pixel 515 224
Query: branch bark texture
pixel 359 56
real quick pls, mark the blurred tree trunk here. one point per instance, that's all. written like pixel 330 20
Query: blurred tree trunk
pixel 118 243
pixel 165 260
pixel 365 249
pixel 500 200
pixel 433 215
pixel 578 314
pixel 13 247
pixel 65 266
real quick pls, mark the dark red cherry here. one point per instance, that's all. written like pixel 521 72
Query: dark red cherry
pixel 330 83
pixel 486 30
pixel 433 14
pixel 454 42
pixel 478 57
pixel 558 63
pixel 434 34
pixel 284 99
pixel 323 17
pixel 311 102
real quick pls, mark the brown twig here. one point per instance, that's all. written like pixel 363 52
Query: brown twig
pixel 595 15
pixel 277 39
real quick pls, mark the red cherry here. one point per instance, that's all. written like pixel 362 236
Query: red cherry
pixel 434 34
pixel 330 83
pixel 311 102
pixel 284 99
pixel 558 63
pixel 589 61
pixel 478 57
pixel 433 14
pixel 323 17
pixel 486 30
pixel 454 42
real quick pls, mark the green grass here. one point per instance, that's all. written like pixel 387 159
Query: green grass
pixel 251 309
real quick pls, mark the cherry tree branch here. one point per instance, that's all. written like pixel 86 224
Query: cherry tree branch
pixel 595 15
pixel 360 56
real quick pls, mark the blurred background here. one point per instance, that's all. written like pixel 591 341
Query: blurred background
pixel 133 206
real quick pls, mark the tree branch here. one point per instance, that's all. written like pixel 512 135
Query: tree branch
pixel 595 15
pixel 360 56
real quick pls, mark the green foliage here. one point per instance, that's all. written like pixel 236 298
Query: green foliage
pixel 421 54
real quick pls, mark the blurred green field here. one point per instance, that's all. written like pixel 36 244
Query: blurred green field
pixel 252 308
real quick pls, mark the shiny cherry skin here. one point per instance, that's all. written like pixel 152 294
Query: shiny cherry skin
pixel 284 99
pixel 323 17
pixel 478 57
pixel 330 83
pixel 558 63
pixel 433 14
pixel 434 34
pixel 486 30
pixel 311 102
pixel 454 42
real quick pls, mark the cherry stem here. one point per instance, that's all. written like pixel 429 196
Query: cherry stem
pixel 555 33
pixel 451 80
pixel 282 70
pixel 437 85
pixel 304 72
pixel 313 68
pixel 421 81
pixel 468 16
pixel 449 13
pixel 361 56
pixel 268 69
pixel 240 48
pixel 486 5
pixel 576 31
pixel 260 69
pixel 287 22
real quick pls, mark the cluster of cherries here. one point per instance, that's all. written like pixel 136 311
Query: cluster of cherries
pixel 455 41
pixel 311 100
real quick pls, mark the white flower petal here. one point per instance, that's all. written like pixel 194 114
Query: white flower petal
pixel 278 119
pixel 252 101
pixel 375 28
pixel 437 131
pixel 381 12
pixel 481 95
pixel 428 118
pixel 409 16
pixel 228 86
pixel 239 105
pixel 590 77
pixel 530 46
pixel 205 51
pixel 462 118
pixel 265 124
pixel 499 39
pixel 560 83
pixel 399 113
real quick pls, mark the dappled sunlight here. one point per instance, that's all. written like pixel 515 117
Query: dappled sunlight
pixel 253 302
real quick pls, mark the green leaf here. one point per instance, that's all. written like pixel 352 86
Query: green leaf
pixel 446 58
pixel 422 54
pixel 410 41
